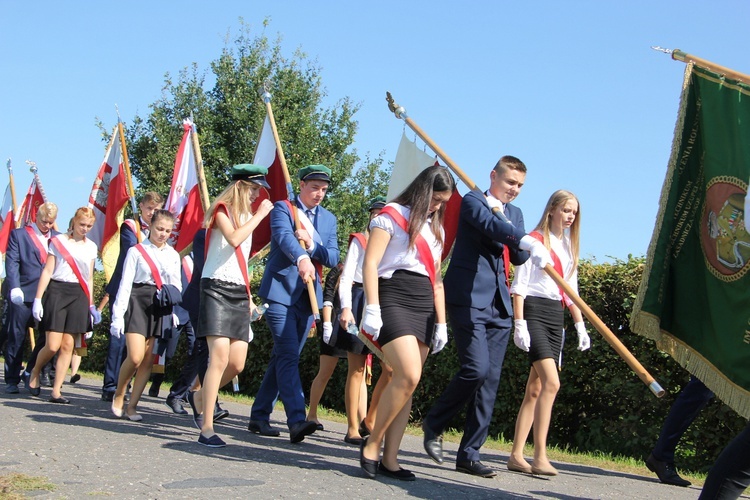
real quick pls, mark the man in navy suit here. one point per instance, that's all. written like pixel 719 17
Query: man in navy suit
pixel 480 311
pixel 129 237
pixel 24 261
pixel 289 315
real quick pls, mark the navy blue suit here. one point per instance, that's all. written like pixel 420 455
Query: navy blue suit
pixel 116 348
pixel 23 267
pixel 481 315
pixel 289 316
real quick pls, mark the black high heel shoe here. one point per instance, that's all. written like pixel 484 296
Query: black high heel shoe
pixel 370 467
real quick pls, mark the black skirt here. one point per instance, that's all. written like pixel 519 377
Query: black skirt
pixel 66 308
pixel 407 306
pixel 544 318
pixel 343 339
pixel 224 310
pixel 142 316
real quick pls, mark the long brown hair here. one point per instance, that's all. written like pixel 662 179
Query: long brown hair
pixel 558 198
pixel 418 196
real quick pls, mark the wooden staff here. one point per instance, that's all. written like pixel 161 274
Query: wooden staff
pixel 610 337
pixel 266 96
pixel 679 55
pixel 199 172
pixel 12 188
pixel 126 163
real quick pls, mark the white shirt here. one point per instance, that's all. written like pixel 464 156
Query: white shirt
pixel 352 272
pixel 83 255
pixel 221 263
pixel 135 269
pixel 43 238
pixel 533 281
pixel 398 255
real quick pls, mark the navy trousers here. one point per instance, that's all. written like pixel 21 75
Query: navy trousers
pixel 730 474
pixel 115 356
pixel 289 326
pixel 691 400
pixel 195 365
pixel 481 339
pixel 19 320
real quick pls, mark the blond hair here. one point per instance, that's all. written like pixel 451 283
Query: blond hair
pixel 559 198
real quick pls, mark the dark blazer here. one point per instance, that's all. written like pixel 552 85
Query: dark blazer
pixel 128 239
pixel 476 271
pixel 23 266
pixel 281 282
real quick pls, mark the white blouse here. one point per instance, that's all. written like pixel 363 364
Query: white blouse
pixel 221 263
pixel 135 269
pixel 352 272
pixel 398 255
pixel 83 255
pixel 533 281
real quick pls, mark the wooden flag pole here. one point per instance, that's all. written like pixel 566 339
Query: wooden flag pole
pixel 610 337
pixel 126 163
pixel 12 188
pixel 266 96
pixel 679 55
pixel 203 189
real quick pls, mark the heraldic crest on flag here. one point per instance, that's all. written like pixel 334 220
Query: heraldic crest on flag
pixel 693 299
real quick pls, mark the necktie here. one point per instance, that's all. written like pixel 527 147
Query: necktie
pixel 311 216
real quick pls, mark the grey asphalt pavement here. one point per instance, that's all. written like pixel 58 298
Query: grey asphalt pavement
pixel 85 451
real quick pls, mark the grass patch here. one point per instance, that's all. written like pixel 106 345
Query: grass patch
pixel 12 486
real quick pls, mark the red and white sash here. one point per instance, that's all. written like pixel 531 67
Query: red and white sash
pixel 237 250
pixel 424 254
pixel 37 244
pixel 60 247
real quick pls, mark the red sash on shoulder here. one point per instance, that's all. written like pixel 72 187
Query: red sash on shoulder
pixel 60 246
pixel 152 265
pixel 423 248
pixel 186 269
pixel 237 251
pixel 556 263
pixel 318 266
pixel 37 244
pixel 360 238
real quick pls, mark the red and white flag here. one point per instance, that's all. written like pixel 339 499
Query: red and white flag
pixel 184 200
pixel 8 222
pixel 410 161
pixel 31 202
pixel 108 199
pixel 267 155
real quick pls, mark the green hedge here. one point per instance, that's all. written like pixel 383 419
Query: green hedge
pixel 602 405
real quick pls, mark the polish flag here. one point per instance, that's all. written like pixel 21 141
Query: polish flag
pixel 31 202
pixel 108 199
pixel 8 222
pixel 184 199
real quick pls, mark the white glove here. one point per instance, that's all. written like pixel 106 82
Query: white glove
pixel 521 336
pixel 175 320
pixel 250 334
pixel 96 316
pixel 584 341
pixel 327 331
pixel 37 310
pixel 117 327
pixel 439 337
pixel 540 256
pixel 88 335
pixel 372 322
pixel 16 294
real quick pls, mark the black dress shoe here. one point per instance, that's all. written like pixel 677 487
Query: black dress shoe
pixel 153 391
pixel 263 428
pixel 433 444
pixel 354 441
pixel 11 389
pixel 666 472
pixel 475 468
pixel 370 467
pixel 220 412
pixel 108 396
pixel 61 400
pixel 319 426
pixel 175 405
pixel 363 430
pixel 301 429
pixel 400 474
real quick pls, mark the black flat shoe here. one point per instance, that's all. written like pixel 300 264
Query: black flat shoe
pixel 400 474
pixel 75 378
pixel 370 467
pixel 319 427
pixel 351 440
pixel 61 400
pixel 363 430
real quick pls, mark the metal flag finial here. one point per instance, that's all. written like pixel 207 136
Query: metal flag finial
pixel 32 166
pixel 10 167
pixel 265 94
pixel 661 49
pixel 394 107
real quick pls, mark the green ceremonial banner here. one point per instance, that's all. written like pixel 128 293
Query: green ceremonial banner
pixel 694 299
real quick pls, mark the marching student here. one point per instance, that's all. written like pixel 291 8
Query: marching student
pixel 142 310
pixel 64 299
pixel 405 306
pixel 226 303
pixel 538 306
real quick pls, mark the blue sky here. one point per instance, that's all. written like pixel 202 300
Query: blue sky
pixel 571 88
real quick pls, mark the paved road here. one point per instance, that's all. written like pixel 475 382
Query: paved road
pixel 86 452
